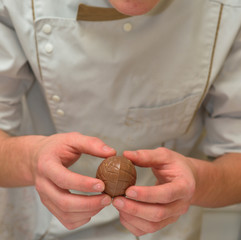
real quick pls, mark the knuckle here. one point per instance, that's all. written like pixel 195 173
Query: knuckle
pixel 38 186
pixel 68 221
pixel 170 196
pixel 63 204
pixel 122 219
pixel 86 221
pixel 70 226
pixel 172 220
pixel 89 205
pixel 74 225
pixel 70 138
pixel 71 135
pixel 191 188
pixel 152 227
pixel 65 217
pixel 188 186
pixel 60 181
pixel 158 216
pixel 40 165
pixel 75 134
pixel 133 210
pixel 164 152
pixel 88 141
pixel 44 201
pixel 139 233
pixel 93 213
pixel 175 219
pixel 185 209
pixel 141 153
pixel 94 139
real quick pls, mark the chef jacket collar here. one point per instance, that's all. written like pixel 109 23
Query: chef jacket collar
pixel 91 13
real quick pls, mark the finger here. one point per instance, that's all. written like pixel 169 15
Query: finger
pixel 132 229
pixel 146 226
pixel 72 226
pixel 68 202
pixel 66 218
pixel 66 179
pixel 89 145
pixel 151 158
pixel 150 212
pixel 165 193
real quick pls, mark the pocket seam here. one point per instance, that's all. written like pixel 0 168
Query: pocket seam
pixel 167 121
pixel 135 110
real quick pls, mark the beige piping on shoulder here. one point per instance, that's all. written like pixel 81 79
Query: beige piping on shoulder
pixel 36 42
pixel 210 68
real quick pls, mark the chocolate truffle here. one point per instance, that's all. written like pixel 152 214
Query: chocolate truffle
pixel 118 173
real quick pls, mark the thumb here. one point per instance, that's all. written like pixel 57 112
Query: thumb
pixel 151 157
pixel 89 145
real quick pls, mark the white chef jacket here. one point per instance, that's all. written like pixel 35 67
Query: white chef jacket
pixel 137 82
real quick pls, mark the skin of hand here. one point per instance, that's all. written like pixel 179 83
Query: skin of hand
pixel 181 182
pixel 148 209
pixel 53 180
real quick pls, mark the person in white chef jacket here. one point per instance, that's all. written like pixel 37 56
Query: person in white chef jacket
pixel 84 80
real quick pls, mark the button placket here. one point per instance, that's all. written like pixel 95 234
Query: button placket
pixel 47 29
pixel 49 47
pixel 56 99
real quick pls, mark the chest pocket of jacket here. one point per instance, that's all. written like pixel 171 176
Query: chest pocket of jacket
pixel 165 122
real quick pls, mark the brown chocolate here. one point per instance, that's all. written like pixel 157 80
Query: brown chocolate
pixel 118 173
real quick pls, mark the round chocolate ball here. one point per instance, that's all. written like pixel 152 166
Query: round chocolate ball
pixel 118 173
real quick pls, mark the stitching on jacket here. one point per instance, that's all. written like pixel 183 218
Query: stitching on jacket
pixel 237 5
pixel 210 68
pixel 36 42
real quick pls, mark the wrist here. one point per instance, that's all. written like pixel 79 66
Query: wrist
pixel 17 160
pixel 207 188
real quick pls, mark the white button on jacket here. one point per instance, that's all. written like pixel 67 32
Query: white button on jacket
pixel 49 48
pixel 47 28
pixel 127 27
pixel 56 98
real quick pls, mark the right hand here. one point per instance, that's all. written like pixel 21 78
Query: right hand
pixel 53 180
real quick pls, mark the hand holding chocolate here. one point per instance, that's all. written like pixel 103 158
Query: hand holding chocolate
pixel 118 173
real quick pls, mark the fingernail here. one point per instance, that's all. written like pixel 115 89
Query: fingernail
pixel 118 203
pixel 106 148
pixel 131 194
pixel 106 201
pixel 98 187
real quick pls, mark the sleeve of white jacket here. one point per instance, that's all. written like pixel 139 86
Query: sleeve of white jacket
pixel 15 76
pixel 223 107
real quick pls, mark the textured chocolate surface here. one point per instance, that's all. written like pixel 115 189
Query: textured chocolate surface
pixel 118 173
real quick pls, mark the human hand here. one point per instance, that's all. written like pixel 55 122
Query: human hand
pixel 148 209
pixel 53 180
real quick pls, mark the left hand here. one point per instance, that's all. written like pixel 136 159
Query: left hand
pixel 148 209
